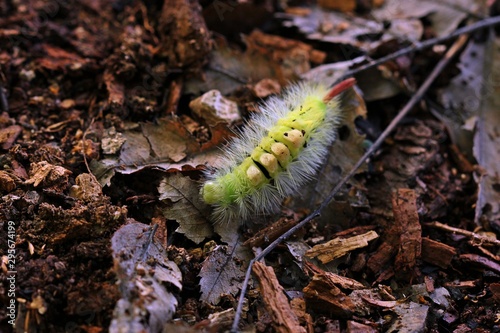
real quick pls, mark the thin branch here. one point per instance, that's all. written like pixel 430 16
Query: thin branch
pixel 411 103
pixel 425 44
pixel 482 239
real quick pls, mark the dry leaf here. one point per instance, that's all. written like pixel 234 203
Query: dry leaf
pixel 147 281
pixel 186 207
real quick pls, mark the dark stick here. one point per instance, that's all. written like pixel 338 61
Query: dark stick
pixel 425 44
pixel 411 103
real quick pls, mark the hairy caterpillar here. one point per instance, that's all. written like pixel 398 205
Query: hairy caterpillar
pixel 275 153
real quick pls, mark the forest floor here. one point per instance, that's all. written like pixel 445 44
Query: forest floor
pixel 104 142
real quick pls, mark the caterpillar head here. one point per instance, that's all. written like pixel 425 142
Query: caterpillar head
pixel 212 192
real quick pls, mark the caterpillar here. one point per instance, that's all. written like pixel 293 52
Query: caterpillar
pixel 275 153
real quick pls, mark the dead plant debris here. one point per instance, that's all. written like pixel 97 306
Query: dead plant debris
pixel 111 111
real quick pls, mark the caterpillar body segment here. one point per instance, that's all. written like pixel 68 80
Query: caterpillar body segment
pixel 275 153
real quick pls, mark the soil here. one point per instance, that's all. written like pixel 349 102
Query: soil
pixel 72 70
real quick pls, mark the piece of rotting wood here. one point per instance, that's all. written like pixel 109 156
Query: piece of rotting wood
pixel 275 301
pixel 338 247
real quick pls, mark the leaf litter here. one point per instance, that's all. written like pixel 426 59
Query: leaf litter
pixel 147 147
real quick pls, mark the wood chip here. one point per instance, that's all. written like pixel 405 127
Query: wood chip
pixel 437 253
pixel 116 89
pixel 355 327
pixel 340 5
pixel 462 284
pixel 404 206
pixel 383 255
pixel 338 247
pixel 273 231
pixel 284 319
pixel 479 261
pixel 7 182
pixel 324 296
pixel 284 50
pixel 184 37
pixel 462 162
pixel 298 305
pixel 8 135
pixel 495 290
pixel 341 281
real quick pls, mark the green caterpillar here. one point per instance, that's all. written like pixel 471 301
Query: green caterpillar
pixel 276 152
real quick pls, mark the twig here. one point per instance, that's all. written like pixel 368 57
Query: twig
pixel 4 104
pixel 414 100
pixel 428 43
pixel 470 234
pixel 152 232
pixel 84 137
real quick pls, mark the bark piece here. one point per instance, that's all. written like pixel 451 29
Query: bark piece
pixel 342 6
pixel 495 290
pixel 285 51
pixel 215 108
pixel 462 162
pixel 338 247
pixel 185 38
pixel 404 206
pixel 342 281
pixel 437 253
pixel 8 135
pixel 48 175
pixel 7 182
pixel 116 89
pixel 384 254
pixel 480 261
pixel 355 327
pixel 299 308
pixel 324 296
pixel 284 319
pixel 270 233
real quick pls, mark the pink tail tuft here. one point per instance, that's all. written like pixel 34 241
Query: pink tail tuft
pixel 339 88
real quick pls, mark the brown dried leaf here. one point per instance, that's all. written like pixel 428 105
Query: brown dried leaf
pixel 444 17
pixel 167 145
pixel 169 139
pixel 185 206
pixel 487 138
pixel 230 69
